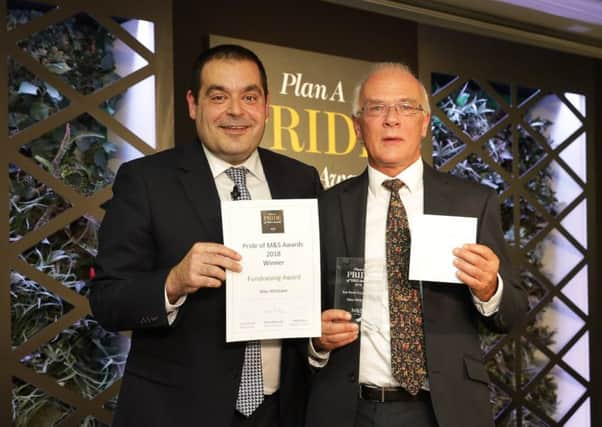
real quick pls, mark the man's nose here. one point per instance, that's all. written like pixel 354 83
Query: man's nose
pixel 391 116
pixel 235 107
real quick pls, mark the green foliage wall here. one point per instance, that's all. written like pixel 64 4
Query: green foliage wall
pixel 84 357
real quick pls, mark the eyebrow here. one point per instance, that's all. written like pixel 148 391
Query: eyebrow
pixel 379 101
pixel 249 88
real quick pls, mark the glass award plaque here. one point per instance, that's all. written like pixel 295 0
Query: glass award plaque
pixel 349 286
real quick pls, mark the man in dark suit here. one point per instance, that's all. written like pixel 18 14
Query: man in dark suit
pixel 418 360
pixel 161 263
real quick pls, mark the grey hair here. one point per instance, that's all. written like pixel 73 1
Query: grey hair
pixel 355 103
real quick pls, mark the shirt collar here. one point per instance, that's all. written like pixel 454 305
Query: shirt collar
pixel 219 166
pixel 410 176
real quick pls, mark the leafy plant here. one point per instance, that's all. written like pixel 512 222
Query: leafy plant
pixel 83 357
pixel 474 112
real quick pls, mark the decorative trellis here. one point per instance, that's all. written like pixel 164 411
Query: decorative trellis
pixel 514 389
pixel 64 205
pixel 506 136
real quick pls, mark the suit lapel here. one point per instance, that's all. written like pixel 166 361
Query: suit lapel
pixel 276 178
pixel 199 186
pixel 437 199
pixel 353 214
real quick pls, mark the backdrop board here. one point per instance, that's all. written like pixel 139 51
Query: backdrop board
pixel 310 107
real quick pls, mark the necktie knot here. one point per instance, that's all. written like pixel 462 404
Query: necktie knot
pixel 393 184
pixel 238 175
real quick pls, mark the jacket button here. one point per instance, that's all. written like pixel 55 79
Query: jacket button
pixel 352 377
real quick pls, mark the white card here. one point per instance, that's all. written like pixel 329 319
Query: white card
pixel 434 237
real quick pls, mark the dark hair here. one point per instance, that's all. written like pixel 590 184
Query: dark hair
pixel 225 51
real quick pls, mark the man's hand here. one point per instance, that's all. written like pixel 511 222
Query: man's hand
pixel 478 267
pixel 203 267
pixel 337 330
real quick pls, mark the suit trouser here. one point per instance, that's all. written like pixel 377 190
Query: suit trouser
pixel 266 415
pixel 415 413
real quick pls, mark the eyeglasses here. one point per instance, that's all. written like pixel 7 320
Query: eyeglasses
pixel 379 109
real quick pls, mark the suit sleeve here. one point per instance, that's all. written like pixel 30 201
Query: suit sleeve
pixel 128 292
pixel 513 306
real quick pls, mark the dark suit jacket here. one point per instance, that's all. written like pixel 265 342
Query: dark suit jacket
pixel 457 376
pixel 184 374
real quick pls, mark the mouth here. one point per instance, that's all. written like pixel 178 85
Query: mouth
pixel 392 140
pixel 234 129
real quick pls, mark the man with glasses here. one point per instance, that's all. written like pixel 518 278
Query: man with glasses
pixel 418 359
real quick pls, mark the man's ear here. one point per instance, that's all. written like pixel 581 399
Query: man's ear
pixel 425 125
pixel 192 104
pixel 267 107
pixel 357 127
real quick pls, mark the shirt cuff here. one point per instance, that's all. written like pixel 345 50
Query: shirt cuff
pixel 317 359
pixel 172 309
pixel 489 308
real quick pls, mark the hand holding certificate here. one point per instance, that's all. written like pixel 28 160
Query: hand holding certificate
pixel 277 294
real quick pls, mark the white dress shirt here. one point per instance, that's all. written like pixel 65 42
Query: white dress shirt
pixel 259 190
pixel 375 344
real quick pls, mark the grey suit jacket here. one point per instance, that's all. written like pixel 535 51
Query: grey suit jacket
pixel 457 377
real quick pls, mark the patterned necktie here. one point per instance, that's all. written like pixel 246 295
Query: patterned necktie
pixel 250 391
pixel 405 308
